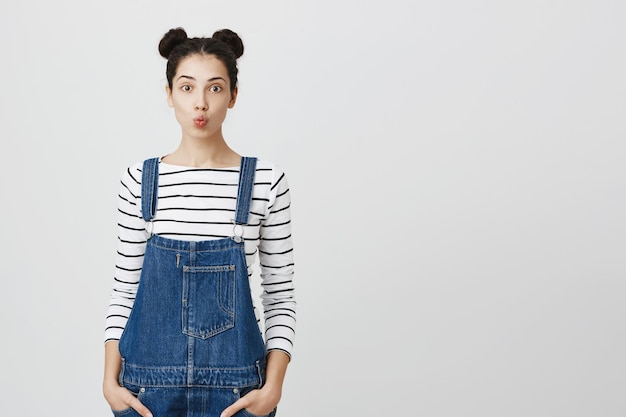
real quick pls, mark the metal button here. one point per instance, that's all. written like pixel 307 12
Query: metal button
pixel 236 391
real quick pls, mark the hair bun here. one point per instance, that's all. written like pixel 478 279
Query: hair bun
pixel 231 39
pixel 171 40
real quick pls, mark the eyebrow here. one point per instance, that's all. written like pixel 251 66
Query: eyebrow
pixel 189 77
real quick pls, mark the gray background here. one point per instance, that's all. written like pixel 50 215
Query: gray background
pixel 457 174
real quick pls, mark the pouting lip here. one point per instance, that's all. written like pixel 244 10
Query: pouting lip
pixel 200 121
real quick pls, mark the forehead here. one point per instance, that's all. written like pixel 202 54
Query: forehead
pixel 201 67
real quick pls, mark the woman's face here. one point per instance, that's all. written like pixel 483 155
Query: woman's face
pixel 200 95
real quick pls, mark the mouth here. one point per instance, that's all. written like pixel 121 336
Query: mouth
pixel 200 122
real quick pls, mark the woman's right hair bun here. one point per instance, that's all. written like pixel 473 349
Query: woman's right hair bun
pixel 171 40
pixel 230 38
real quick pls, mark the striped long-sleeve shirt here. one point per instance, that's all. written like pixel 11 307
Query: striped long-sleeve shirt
pixel 199 204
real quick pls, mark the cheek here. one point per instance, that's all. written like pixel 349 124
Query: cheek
pixel 220 105
pixel 181 102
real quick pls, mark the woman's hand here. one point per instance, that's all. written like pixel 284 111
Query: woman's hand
pixel 119 398
pixel 263 401
pixel 259 402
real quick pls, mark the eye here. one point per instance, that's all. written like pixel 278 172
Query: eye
pixel 186 88
pixel 215 88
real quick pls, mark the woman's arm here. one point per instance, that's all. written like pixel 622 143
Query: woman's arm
pixel 278 296
pixel 276 260
pixel 131 246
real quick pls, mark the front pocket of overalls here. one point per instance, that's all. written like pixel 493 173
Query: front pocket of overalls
pixel 129 411
pixel 208 300
pixel 242 392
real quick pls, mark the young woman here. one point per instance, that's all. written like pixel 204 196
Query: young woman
pixel 183 337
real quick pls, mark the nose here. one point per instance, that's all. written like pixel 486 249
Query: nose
pixel 201 103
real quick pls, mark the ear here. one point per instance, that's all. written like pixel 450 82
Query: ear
pixel 168 92
pixel 233 98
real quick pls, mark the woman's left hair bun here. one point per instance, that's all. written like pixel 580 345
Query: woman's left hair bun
pixel 171 40
pixel 231 39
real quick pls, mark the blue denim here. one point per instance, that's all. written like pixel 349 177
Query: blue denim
pixel 188 402
pixel 192 345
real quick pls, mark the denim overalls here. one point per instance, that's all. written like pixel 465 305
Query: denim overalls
pixel 192 345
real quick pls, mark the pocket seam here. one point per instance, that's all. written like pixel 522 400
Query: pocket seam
pixel 221 294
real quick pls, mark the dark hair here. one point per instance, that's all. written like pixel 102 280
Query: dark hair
pixel 225 44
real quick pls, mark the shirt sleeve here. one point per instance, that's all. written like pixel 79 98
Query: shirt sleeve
pixel 131 246
pixel 277 269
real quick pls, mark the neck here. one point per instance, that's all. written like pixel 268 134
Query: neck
pixel 203 153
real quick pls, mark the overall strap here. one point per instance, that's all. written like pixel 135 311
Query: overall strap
pixel 244 193
pixel 149 188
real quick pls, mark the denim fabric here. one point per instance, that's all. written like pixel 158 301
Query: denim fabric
pixel 186 402
pixel 192 345
pixel 244 192
pixel 149 187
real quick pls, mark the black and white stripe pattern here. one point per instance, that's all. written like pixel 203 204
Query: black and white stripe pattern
pixel 199 204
